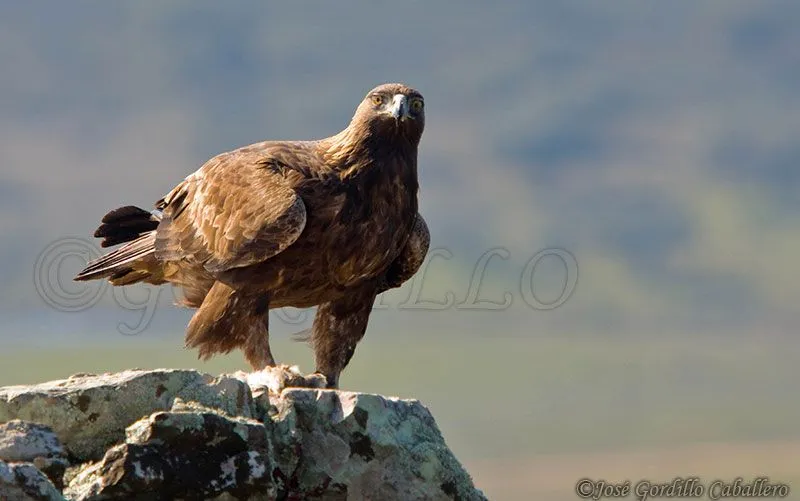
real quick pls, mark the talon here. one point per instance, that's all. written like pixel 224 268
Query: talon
pixel 315 380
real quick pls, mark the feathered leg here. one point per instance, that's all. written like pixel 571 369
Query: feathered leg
pixel 230 319
pixel 338 326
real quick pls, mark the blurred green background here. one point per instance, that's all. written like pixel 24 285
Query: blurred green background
pixel 648 151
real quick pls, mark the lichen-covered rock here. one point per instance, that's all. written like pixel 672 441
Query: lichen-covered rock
pixel 89 413
pixel 25 441
pixel 24 482
pixel 191 452
pixel 170 434
pixel 364 446
pixel 34 443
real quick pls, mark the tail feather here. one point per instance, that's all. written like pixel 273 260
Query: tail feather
pixel 129 264
pixel 117 263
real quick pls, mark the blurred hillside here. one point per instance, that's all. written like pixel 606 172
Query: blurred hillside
pixel 657 143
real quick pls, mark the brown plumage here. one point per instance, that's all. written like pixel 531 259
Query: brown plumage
pixel 331 223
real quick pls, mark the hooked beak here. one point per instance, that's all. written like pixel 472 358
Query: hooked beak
pixel 399 107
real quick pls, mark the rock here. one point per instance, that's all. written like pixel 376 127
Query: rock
pixel 189 452
pixel 364 446
pixel 24 482
pixel 169 434
pixel 24 441
pixel 89 413
pixel 35 443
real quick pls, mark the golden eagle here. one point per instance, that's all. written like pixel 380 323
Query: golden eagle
pixel 328 223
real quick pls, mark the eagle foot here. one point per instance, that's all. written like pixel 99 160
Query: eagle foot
pixel 276 379
pixel 315 380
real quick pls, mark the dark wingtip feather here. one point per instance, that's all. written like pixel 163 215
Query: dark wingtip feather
pixel 118 238
pixel 125 213
pixel 125 224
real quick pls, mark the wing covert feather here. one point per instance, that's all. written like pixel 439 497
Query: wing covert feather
pixel 232 212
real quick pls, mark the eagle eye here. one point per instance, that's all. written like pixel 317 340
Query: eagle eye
pixel 377 99
pixel 416 105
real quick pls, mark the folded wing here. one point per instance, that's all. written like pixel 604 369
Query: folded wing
pixel 233 212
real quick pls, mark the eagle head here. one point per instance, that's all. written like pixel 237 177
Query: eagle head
pixel 391 110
